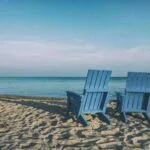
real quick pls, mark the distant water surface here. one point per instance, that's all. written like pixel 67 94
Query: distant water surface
pixel 51 86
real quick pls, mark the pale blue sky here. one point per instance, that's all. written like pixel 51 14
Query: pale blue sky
pixel 66 37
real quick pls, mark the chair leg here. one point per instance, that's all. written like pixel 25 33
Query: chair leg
pixel 123 117
pixel 105 118
pixel 82 120
pixel 68 107
pixel 118 105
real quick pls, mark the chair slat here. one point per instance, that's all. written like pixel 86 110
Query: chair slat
pixel 100 100
pixel 93 101
pixel 103 80
pixel 97 100
pixel 88 79
pixel 99 78
pixel 94 79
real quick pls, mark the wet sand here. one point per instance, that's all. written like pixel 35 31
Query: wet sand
pixel 42 124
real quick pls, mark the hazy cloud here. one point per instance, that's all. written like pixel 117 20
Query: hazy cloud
pixel 52 58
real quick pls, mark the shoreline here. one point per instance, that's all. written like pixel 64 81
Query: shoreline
pixel 39 97
pixel 31 97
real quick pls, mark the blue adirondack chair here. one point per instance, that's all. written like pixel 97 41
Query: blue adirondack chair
pixel 94 99
pixel 137 95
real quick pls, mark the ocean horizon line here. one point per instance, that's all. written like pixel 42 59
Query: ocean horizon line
pixel 54 77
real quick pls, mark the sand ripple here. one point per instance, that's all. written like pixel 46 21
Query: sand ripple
pixel 30 123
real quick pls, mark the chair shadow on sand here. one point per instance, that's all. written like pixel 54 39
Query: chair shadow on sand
pixel 60 107
pixel 49 106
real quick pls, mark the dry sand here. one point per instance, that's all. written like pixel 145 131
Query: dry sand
pixel 42 123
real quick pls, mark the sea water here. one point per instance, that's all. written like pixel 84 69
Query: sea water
pixel 52 86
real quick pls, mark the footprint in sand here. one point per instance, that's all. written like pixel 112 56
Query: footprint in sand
pixel 54 123
pixel 27 145
pixel 139 141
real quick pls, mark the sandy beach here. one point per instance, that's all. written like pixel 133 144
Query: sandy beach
pixel 42 124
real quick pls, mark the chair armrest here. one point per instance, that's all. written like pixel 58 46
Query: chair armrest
pixel 73 97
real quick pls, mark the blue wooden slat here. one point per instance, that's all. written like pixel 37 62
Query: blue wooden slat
pixel 137 101
pixel 140 78
pixel 140 102
pixel 107 79
pixel 105 84
pixel 87 100
pixel 133 103
pixel 129 81
pixel 91 78
pixel 105 74
pixel 90 101
pixel 135 81
pixel 129 102
pixel 96 100
pixel 100 100
pixel 132 81
pixel 88 79
pixel 134 99
pixel 125 104
pixel 93 101
pixel 103 79
pixel 99 77
pixel 142 81
pixel 103 101
pixel 94 79
pixel 138 82
pixel 122 102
